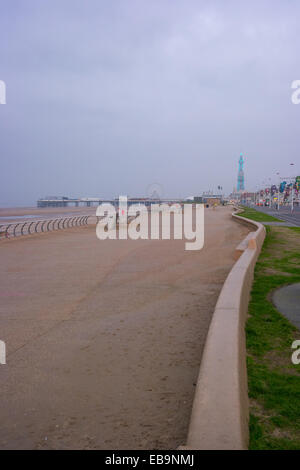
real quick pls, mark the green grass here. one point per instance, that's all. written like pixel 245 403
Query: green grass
pixel 258 216
pixel 273 381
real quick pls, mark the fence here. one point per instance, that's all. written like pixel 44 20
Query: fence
pixel 38 226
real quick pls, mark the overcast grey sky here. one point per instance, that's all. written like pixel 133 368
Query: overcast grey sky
pixel 106 97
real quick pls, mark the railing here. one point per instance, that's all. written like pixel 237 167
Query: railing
pixel 38 226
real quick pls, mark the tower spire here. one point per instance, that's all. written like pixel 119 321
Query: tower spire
pixel 241 177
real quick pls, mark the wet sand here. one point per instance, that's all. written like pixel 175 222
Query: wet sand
pixel 17 214
pixel 104 338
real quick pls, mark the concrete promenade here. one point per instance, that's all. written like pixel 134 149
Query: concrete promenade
pixel 104 338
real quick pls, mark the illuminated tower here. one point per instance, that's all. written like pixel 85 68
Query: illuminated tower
pixel 241 178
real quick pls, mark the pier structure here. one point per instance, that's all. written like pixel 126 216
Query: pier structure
pixel 91 201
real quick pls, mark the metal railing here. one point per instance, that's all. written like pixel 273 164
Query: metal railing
pixel 30 227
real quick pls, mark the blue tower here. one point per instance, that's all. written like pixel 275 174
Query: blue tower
pixel 241 177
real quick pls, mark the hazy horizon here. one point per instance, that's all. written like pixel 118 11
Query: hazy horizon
pixel 105 98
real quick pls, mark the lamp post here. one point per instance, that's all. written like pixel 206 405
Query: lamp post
pixel 292 204
pixel 257 194
pixel 278 192
pixel 270 193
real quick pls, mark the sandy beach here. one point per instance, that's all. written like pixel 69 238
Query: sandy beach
pixel 104 338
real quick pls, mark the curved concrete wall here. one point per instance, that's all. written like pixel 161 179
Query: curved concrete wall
pixel 220 411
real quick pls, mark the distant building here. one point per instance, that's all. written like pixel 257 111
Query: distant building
pixel 209 199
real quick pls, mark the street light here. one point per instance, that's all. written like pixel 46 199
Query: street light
pixel 270 192
pixel 278 192
pixel 292 205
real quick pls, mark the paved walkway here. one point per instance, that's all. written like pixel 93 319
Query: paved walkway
pixel 104 338
pixel 280 224
pixel 287 301
pixel 284 213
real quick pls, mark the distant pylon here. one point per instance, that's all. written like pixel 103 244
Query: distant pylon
pixel 241 177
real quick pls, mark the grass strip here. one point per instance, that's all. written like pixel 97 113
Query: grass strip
pixel 258 216
pixel 273 381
